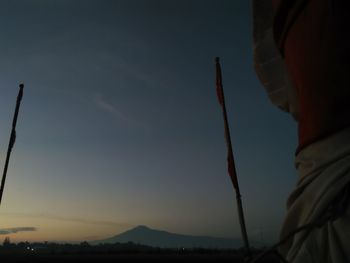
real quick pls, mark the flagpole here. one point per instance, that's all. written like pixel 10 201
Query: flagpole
pixel 230 158
pixel 12 140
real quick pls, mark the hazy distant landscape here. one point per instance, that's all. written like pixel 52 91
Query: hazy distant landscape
pixel 138 244
pixel 163 239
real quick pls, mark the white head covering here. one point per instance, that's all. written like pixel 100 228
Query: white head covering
pixel 269 64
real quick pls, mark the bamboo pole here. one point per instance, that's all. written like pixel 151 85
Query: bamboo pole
pixel 230 159
pixel 12 140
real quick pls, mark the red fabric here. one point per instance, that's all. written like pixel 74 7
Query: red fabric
pixel 232 169
pixel 317 55
pixel 230 161
pixel 219 88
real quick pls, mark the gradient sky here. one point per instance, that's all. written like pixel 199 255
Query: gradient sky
pixel 120 124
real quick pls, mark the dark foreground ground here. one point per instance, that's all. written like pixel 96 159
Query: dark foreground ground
pixel 124 258
pixel 118 258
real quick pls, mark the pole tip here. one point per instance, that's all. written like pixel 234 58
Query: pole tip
pixel 217 60
pixel 21 85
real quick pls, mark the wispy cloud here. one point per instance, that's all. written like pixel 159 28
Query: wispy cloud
pixel 68 219
pixel 82 220
pixel 6 231
pixel 103 104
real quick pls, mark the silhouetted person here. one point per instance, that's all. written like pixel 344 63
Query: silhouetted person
pixel 302 57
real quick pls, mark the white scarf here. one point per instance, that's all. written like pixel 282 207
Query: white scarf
pixel 324 172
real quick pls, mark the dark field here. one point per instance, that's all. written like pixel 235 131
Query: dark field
pixel 126 258
pixel 118 252
pixel 119 258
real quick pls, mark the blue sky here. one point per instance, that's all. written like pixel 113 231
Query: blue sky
pixel 120 123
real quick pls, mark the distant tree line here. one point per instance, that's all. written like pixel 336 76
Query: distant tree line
pixel 86 248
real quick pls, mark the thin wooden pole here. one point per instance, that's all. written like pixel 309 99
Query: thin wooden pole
pixel 230 159
pixel 12 140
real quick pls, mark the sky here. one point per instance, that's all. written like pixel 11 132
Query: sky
pixel 120 124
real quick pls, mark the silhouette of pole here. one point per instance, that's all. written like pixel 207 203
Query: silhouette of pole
pixel 12 139
pixel 230 160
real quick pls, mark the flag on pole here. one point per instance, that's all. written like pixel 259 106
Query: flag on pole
pixel 12 140
pixel 220 94
pixel 230 159
pixel 232 170
pixel 219 89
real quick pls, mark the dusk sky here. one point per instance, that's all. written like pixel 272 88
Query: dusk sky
pixel 120 124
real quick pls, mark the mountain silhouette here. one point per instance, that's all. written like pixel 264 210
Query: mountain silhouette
pixel 157 238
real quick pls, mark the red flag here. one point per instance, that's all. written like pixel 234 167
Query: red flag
pixel 220 94
pixel 231 169
pixel 219 89
pixel 230 160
